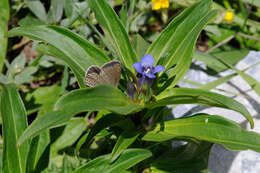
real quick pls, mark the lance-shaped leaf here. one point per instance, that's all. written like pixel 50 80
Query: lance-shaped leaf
pixel 202 97
pixel 52 51
pixel 232 57
pixel 4 17
pixel 39 153
pixel 212 128
pixel 115 31
pixel 46 97
pixel 123 142
pixel 192 157
pixel 104 122
pixel 126 160
pixel 37 9
pixel 102 97
pixel 72 131
pixel 176 43
pixel 254 84
pixel 46 121
pixel 77 52
pixel 14 123
pixel 217 82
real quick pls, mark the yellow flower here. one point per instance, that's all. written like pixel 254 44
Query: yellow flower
pixel 229 16
pixel 158 4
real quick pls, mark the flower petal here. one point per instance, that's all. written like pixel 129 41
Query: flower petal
pixel 158 68
pixel 150 75
pixel 147 61
pixel 138 67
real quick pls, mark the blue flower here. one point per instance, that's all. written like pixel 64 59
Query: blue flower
pixel 145 67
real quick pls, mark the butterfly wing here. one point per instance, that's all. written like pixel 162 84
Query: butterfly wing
pixel 92 76
pixel 111 73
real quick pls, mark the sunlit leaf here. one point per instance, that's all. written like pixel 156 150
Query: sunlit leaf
pixel 76 51
pixel 210 128
pixel 126 160
pixel 175 45
pixel 102 97
pixel 199 96
pixel 115 31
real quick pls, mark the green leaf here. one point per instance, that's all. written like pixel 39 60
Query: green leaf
pixel 73 129
pixel 115 31
pixel 56 10
pixel 25 76
pixel 199 96
pixel 102 97
pixel 231 57
pixel 77 52
pixel 1 160
pixel 123 142
pixel 140 45
pixel 14 123
pixel 210 128
pixel 52 51
pixel 252 82
pixel 37 8
pixel 39 150
pixel 104 122
pixel 66 165
pixel 256 2
pixel 209 61
pixel 126 160
pixel 46 121
pixel 81 141
pixel 68 7
pixel 185 159
pixel 45 97
pixel 219 81
pixel 38 155
pixel 175 45
pixel 4 17
pixel 29 20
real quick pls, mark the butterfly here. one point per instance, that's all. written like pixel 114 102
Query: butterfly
pixel 109 73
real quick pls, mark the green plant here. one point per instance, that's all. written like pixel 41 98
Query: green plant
pixel 129 133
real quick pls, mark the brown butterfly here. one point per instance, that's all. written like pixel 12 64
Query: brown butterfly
pixel 109 73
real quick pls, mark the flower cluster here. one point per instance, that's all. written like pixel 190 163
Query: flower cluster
pixel 158 4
